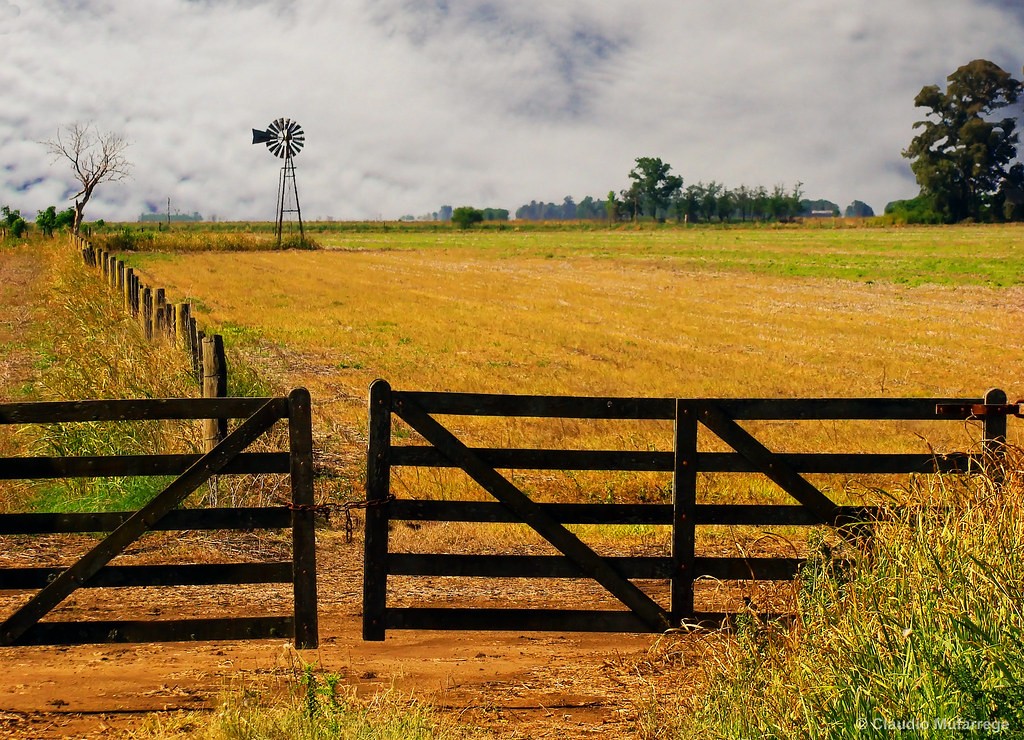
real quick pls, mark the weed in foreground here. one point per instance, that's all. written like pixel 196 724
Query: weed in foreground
pixel 313 705
pixel 95 350
pixel 923 637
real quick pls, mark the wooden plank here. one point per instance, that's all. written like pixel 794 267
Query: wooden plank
pixel 708 462
pixel 523 459
pixel 129 410
pixel 300 444
pixel 570 407
pixel 554 566
pixel 41 468
pixel 684 502
pixel 813 409
pixel 120 576
pixel 854 463
pixel 378 491
pixel 20 468
pixel 766 462
pixel 519 566
pixel 746 569
pixel 759 515
pixel 561 538
pixel 61 587
pixel 178 519
pixel 654 514
pixel 515 620
pixel 166 630
pixel 491 511
pixel 778 409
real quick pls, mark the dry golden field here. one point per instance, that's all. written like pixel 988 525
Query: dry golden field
pixel 622 313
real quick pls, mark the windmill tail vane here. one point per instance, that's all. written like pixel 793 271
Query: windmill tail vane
pixel 284 138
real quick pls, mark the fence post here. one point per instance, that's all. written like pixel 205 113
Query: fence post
pixel 378 491
pixel 159 314
pixel 182 314
pixel 684 509
pixel 300 442
pixel 994 433
pixel 194 348
pixel 147 312
pixel 215 385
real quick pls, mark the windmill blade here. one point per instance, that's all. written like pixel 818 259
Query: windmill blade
pixel 261 137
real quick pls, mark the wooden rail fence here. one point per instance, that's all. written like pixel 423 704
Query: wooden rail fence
pixel 692 419
pixel 228 457
pixel 161 320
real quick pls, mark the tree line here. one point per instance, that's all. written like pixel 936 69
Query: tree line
pixel 700 203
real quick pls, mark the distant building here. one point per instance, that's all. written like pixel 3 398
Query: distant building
pixel 158 217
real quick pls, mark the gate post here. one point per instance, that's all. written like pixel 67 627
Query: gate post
pixel 994 433
pixel 378 491
pixel 684 509
pixel 300 437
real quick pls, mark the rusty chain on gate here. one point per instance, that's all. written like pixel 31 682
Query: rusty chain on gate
pixel 327 510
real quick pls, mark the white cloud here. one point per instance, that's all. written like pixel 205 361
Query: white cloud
pixel 409 104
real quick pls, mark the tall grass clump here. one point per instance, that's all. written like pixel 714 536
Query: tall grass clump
pixel 126 238
pixel 922 637
pixel 91 348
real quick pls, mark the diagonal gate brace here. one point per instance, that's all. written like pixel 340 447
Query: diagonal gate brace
pixel 138 523
pixel 592 564
pixel 768 463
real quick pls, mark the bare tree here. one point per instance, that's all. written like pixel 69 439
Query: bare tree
pixel 95 157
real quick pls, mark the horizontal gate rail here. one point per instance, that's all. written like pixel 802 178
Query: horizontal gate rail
pixel 739 409
pixel 708 462
pixel 682 566
pixel 92 570
pixel 41 468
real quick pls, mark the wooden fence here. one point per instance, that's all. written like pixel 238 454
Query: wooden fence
pixel 228 457
pixel 692 419
pixel 161 320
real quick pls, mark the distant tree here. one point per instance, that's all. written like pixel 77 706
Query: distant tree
pixel 95 157
pixel 495 214
pixel 653 188
pixel 465 216
pixel 568 208
pixel 1010 198
pixel 960 157
pixel 859 209
pixel 708 203
pixel 919 210
pixel 51 219
pixel 47 220
pixel 588 208
pixel 611 207
pixel 13 223
pixel 444 213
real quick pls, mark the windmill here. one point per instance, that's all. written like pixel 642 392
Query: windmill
pixel 285 139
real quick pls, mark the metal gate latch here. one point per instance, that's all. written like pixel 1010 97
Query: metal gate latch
pixel 967 410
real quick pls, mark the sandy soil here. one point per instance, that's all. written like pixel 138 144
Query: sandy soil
pixel 518 684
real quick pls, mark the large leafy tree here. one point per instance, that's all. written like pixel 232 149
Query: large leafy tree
pixel 962 153
pixel 653 188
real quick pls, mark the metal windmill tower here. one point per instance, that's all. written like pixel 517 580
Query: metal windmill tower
pixel 285 139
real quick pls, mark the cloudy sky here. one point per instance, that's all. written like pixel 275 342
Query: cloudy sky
pixel 411 104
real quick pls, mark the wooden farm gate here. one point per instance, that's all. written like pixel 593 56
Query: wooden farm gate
pixel 691 417
pixel 23 626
